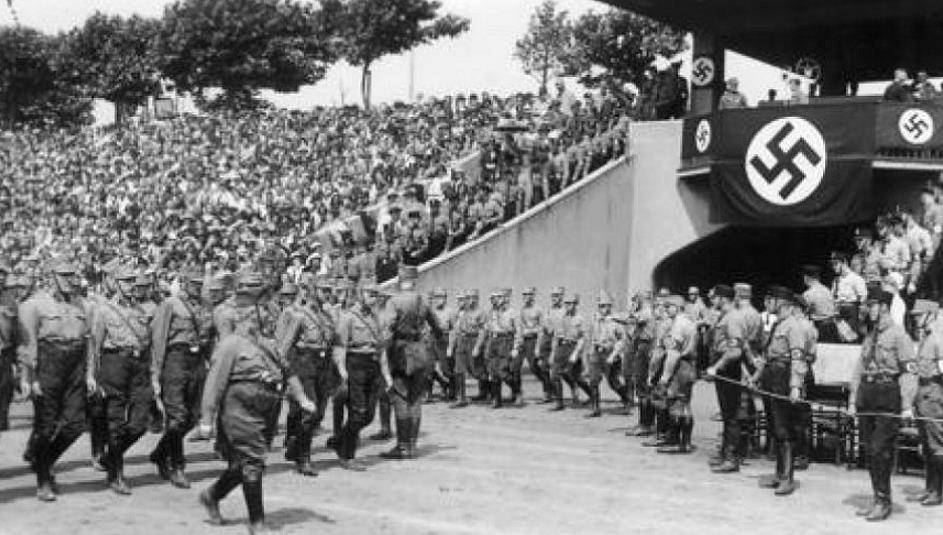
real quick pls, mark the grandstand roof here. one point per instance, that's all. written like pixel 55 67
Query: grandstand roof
pixel 867 38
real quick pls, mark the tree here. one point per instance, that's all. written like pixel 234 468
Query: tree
pixel 32 91
pixel 618 46
pixel 115 59
pixel 545 48
pixel 242 46
pixel 371 29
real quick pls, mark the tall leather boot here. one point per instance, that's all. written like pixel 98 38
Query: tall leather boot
pixel 252 492
pixel 115 466
pixel 594 409
pixel 934 470
pixel 40 454
pixel 484 389
pixel 557 393
pixel 337 424
pixel 585 387
pixel 413 436
pixel 461 390
pixel 881 509
pixel 160 456
pixel 403 436
pixel 496 402
pixel 773 481
pixel 178 477
pixel 686 431
pixel 787 484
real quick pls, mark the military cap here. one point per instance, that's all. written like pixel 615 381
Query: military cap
pixel 125 274
pixel 604 298
pixel 879 295
pixel 811 270
pixel 724 290
pixel 674 300
pixel 781 292
pixel 742 289
pixel 63 267
pixel 529 290
pixel 925 306
pixel 557 290
pixel 572 298
pixel 439 292
pixel 408 273
pixel 288 289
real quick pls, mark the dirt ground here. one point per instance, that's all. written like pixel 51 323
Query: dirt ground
pixel 481 471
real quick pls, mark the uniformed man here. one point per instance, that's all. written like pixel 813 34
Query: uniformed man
pixel 727 351
pixel 361 358
pixel 605 342
pixel 385 408
pixel 822 303
pixel 679 372
pixel 885 381
pixel 802 453
pixel 755 340
pixel 305 337
pixel 182 338
pixel 569 338
pixel 409 361
pixel 444 372
pixel 95 408
pixel 929 400
pixel 8 342
pixel 55 330
pixel 462 345
pixel 645 322
pixel 119 367
pixel 532 322
pixel 552 322
pixel 458 376
pixel 658 396
pixel 242 387
pixel 498 342
pixel 782 371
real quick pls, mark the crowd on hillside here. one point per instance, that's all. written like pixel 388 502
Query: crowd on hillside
pixel 336 190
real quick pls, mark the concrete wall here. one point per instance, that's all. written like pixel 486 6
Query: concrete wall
pixel 609 231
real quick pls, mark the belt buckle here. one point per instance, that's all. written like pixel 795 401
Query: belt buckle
pixel 194 349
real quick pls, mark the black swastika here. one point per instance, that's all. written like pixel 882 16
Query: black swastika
pixel 703 71
pixel 786 161
pixel 916 125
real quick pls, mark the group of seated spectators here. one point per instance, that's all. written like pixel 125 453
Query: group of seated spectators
pixel 335 190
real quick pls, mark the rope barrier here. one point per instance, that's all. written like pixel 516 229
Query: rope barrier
pixel 844 412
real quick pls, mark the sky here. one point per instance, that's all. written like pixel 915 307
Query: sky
pixel 479 60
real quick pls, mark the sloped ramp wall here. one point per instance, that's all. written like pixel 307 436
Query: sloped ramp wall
pixel 576 240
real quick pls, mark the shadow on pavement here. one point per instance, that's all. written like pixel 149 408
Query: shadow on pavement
pixel 863 501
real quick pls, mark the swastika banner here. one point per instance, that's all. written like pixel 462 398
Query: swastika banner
pixel 910 126
pixel 805 166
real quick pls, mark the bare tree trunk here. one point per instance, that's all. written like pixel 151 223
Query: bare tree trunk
pixel 366 85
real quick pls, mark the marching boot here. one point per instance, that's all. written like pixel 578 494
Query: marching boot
pixel 773 481
pixel 881 509
pixel 496 402
pixel 584 386
pixel 211 506
pixel 160 457
pixel 460 389
pixel 595 411
pixel 403 434
pixel 303 466
pixel 623 392
pixel 934 481
pixel 116 481
pixel 787 484
pixel 644 427
pixel 686 432
pixel 40 454
pixel 414 436
pixel 252 491
pixel 558 396
pixel 177 476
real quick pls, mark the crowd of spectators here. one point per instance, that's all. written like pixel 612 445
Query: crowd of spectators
pixel 336 190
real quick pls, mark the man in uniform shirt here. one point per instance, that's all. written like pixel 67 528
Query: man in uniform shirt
pixel 383 395
pixel 445 365
pixel 782 370
pixel 822 303
pixel 850 291
pixel 119 367
pixel 52 355
pixel 304 339
pixel 498 342
pixel 462 345
pixel 885 381
pixel 727 350
pixel 552 323
pixel 182 338
pixel 658 396
pixel 678 376
pixel 606 339
pixel 360 356
pixel 569 338
pixel 242 387
pixel 929 400
pixel 532 323
pixel 409 361
pixel 8 342
pixel 645 321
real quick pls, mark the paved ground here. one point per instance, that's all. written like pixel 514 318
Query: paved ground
pixel 513 471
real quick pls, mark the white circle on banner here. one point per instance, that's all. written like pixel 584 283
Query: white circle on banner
pixel 786 160
pixel 915 126
pixel 703 135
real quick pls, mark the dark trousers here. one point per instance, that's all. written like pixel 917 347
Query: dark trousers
pixel 7 384
pixel 537 362
pixel 318 379
pixel 363 371
pixel 59 414
pixel 181 392
pixel 728 397
pixel 879 433
pixel 406 398
pixel 125 380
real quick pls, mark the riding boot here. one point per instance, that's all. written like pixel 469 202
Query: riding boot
pixel 685 430
pixel 403 436
pixel 881 509
pixel 483 390
pixel 557 386
pixel 497 402
pixel 116 481
pixel 934 470
pixel 787 484
pixel 252 492
pixel 460 389
pixel 595 410
pixel 40 454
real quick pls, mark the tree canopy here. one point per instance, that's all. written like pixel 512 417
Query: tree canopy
pixel 545 48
